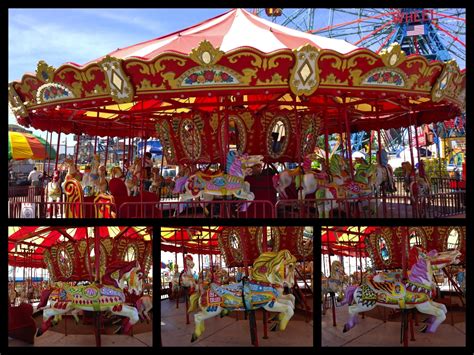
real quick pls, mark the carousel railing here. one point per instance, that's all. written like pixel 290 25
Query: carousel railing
pixel 443 204
pixel 438 185
pixel 435 205
pixel 197 209
pixel 357 207
pixel 18 209
pixel 26 193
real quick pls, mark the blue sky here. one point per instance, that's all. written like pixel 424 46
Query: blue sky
pixel 58 36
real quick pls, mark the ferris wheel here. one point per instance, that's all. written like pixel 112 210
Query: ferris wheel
pixel 436 33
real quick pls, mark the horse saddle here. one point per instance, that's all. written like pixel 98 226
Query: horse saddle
pixel 394 290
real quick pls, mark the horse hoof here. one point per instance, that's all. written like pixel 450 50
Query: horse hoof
pixel 423 329
pixel 346 328
pixel 193 338
pixel 273 328
pixel 39 332
pixel 117 330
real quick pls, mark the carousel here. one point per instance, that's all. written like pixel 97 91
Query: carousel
pixel 393 286
pixel 82 286
pixel 244 107
pixel 236 286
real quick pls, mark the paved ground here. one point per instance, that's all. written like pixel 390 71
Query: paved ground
pixel 228 331
pixel 52 338
pixel 374 332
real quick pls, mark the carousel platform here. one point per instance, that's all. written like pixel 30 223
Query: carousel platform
pixel 229 331
pixel 372 331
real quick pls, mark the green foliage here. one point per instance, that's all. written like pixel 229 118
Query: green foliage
pixel 436 168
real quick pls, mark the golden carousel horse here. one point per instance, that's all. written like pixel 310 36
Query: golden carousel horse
pixel 271 273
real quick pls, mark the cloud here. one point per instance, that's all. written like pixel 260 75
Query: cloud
pixel 32 39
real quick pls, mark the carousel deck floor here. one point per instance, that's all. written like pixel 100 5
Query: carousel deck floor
pixel 374 332
pixel 52 338
pixel 228 331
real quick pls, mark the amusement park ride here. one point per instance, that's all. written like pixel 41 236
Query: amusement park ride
pixel 247 269
pixel 401 268
pixel 100 273
pixel 269 94
pixel 436 34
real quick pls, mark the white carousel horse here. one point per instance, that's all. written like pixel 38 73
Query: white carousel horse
pixel 90 179
pixel 310 182
pixel 144 305
pixel 415 184
pixel 271 272
pixel 155 180
pixel 54 192
pixel 133 176
pixel 102 183
pixel 106 296
pixel 333 284
pixel 416 292
pixel 186 278
pixel 202 186
pixel 72 172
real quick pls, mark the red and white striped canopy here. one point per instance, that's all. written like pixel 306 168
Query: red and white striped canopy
pixel 234 29
pixel 27 244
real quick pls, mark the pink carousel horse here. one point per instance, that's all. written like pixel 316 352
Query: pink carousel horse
pixel 107 296
pixel 416 292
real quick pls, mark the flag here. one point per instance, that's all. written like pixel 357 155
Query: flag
pixel 415 30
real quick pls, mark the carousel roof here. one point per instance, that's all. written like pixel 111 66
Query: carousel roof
pixel 232 30
pixel 193 240
pixel 240 66
pixel 26 245
pixel 369 241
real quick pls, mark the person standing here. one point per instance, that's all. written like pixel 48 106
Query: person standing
pixel 34 177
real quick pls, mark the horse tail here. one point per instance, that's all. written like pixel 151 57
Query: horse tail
pixel 44 298
pixel 276 180
pixel 193 302
pixel 349 295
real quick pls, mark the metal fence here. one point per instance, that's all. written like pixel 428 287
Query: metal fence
pixel 436 205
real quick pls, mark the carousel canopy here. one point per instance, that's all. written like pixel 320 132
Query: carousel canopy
pixel 237 79
pixel 193 240
pixel 27 245
pixel 240 246
pixel 384 245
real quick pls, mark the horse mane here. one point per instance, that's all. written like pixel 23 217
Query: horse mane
pixel 121 266
pixel 234 165
pixel 332 267
pixel 266 262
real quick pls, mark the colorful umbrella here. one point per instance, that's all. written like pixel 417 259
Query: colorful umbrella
pixel 28 146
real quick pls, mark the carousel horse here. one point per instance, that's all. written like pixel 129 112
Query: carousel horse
pixel 12 294
pixel 54 192
pixel 384 175
pixel 94 174
pixel 415 184
pixel 416 292
pixel 116 172
pixel 102 183
pixel 271 272
pixel 133 176
pixel 186 278
pixel 72 172
pixel 144 305
pixel 105 296
pixel 202 186
pixel 156 180
pixel 333 284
